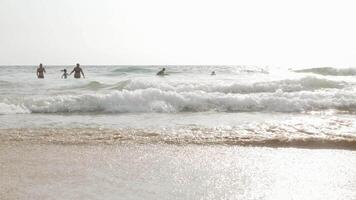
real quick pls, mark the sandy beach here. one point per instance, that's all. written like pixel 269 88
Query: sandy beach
pixel 163 171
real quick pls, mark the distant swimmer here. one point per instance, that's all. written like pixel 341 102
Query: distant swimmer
pixel 65 74
pixel 213 73
pixel 77 71
pixel 40 71
pixel 161 73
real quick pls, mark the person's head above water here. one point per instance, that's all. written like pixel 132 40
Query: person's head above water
pixel 41 65
pixel 78 65
pixel 161 72
pixel 65 70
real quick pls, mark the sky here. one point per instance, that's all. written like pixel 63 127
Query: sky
pixel 159 32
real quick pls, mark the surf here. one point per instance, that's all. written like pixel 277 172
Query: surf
pixel 156 100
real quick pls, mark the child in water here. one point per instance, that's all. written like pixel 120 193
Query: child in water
pixel 65 74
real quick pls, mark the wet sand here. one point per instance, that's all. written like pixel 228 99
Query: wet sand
pixel 164 171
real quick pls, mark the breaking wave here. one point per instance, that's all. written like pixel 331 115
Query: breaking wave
pixel 156 100
pixel 12 109
pixel 306 83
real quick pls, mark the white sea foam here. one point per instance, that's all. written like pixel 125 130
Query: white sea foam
pixel 12 109
pixel 306 83
pixel 302 84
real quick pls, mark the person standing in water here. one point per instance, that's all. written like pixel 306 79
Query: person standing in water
pixel 65 74
pixel 77 71
pixel 161 73
pixel 40 71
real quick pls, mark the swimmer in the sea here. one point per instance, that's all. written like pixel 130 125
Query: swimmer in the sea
pixel 213 73
pixel 77 71
pixel 161 73
pixel 65 74
pixel 40 71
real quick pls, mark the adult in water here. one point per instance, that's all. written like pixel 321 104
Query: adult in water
pixel 161 73
pixel 77 71
pixel 40 71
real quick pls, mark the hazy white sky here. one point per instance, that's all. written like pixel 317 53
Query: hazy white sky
pixel 256 32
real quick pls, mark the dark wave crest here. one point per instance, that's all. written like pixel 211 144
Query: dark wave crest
pixel 330 71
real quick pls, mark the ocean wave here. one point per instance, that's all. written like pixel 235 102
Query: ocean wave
pixel 93 85
pixel 131 69
pixel 306 83
pixel 7 108
pixel 196 136
pixel 156 100
pixel 330 71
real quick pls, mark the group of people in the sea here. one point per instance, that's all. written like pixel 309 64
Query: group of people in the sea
pixel 78 72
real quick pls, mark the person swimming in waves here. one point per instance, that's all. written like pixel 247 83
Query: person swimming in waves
pixel 40 71
pixel 77 71
pixel 65 74
pixel 161 73
pixel 213 73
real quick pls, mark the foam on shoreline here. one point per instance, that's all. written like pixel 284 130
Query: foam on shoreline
pixel 199 136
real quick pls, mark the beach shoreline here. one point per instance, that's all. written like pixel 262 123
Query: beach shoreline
pixel 200 137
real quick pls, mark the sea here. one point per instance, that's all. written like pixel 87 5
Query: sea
pixel 122 132
pixel 311 107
